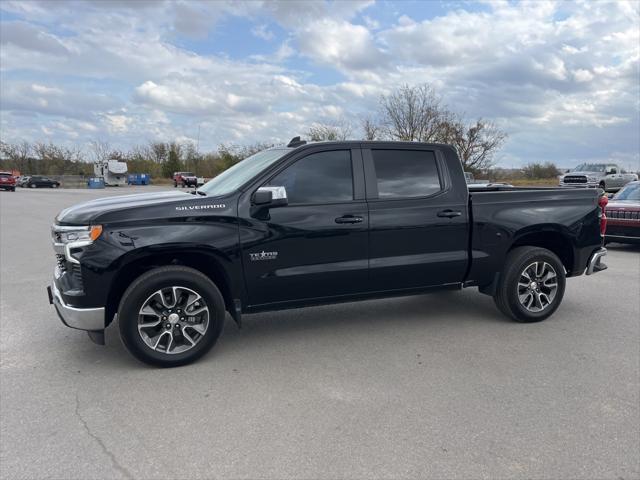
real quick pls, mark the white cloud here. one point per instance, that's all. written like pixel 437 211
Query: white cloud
pixel 582 75
pixel 341 44
pixel 263 32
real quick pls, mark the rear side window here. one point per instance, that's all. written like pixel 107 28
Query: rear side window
pixel 406 173
pixel 323 177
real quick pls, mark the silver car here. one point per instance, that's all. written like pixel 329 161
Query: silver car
pixel 608 176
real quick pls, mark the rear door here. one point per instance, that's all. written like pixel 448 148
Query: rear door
pixel 316 246
pixel 418 221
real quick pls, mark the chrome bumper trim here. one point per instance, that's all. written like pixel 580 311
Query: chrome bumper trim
pixel 595 261
pixel 91 319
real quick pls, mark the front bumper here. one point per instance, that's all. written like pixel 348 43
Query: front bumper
pixel 90 319
pixel 595 264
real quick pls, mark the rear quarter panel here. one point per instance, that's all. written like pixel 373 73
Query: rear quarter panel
pixel 502 218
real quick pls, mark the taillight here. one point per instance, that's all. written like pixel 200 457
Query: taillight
pixel 602 202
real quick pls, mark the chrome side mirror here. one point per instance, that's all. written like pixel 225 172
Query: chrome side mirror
pixel 266 198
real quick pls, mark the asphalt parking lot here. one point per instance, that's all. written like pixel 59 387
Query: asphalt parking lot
pixel 434 386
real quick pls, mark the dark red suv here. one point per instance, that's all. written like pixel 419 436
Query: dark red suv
pixel 185 179
pixel 7 181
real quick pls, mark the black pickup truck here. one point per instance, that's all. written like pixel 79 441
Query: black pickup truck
pixel 310 224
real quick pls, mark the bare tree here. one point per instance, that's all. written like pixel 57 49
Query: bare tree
pixel 372 130
pixel 100 150
pixel 159 151
pixel 412 113
pixel 476 142
pixel 18 153
pixel 319 132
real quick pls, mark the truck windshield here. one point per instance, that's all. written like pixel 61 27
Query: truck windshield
pixel 590 167
pixel 242 172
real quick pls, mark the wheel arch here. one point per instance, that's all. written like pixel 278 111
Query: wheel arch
pixel 209 263
pixel 551 239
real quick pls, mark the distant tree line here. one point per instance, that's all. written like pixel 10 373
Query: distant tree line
pixel 159 159
pixel 410 113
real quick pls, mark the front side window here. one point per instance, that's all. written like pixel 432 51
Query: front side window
pixel 323 177
pixel 406 173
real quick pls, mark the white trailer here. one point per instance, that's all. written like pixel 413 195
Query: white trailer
pixel 114 172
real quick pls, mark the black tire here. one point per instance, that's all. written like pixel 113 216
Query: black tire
pixel 33 185
pixel 54 185
pixel 507 298
pixel 144 286
pixel 175 184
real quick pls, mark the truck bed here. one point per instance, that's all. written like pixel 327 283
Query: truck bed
pixel 501 216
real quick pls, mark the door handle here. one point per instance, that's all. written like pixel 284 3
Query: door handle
pixel 449 213
pixel 349 219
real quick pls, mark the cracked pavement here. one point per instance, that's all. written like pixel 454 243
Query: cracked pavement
pixel 438 386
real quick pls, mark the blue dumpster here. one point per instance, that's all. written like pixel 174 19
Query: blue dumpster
pixel 139 179
pixel 95 182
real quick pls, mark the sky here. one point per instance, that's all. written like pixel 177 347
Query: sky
pixel 561 78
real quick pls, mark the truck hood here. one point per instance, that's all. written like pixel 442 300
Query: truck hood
pixel 85 213
pixel 584 174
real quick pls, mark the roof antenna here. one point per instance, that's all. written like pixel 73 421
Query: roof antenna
pixel 296 142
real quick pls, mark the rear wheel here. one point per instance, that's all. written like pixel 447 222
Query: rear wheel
pixel 532 284
pixel 54 185
pixel 33 185
pixel 171 316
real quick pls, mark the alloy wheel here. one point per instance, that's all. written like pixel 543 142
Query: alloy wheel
pixel 537 286
pixel 173 320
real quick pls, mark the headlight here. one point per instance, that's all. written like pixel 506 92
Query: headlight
pixel 65 238
pixel 66 235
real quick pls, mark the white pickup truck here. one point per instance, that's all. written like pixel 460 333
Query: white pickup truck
pixel 608 176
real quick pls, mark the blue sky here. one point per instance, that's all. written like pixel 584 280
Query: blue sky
pixel 561 78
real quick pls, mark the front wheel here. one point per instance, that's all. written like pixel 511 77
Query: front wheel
pixel 33 185
pixel 171 316
pixel 531 285
pixel 54 185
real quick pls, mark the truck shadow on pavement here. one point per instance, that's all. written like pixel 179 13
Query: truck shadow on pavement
pixel 430 311
pixel 449 309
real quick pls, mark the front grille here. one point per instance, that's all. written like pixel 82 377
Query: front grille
pixel 623 215
pixel 575 179
pixel 61 262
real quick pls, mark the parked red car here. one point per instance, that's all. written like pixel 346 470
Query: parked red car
pixel 7 181
pixel 623 215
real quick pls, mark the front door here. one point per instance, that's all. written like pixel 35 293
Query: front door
pixel 316 246
pixel 417 218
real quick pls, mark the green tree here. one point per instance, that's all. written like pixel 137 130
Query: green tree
pixel 173 164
